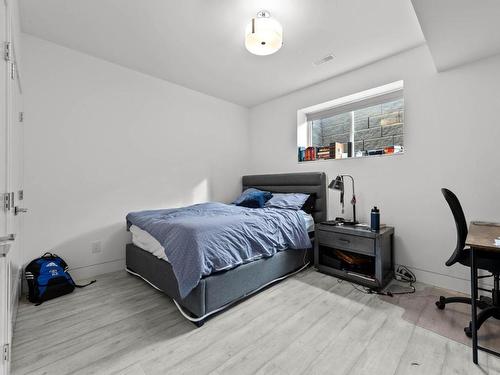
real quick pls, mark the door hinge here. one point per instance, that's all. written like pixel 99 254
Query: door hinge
pixel 7 201
pixel 12 70
pixel 21 116
pixel 9 57
pixel 6 352
pixel 7 54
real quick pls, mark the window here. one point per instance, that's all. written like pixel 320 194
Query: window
pixel 367 123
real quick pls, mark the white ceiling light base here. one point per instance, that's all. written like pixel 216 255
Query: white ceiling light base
pixel 263 35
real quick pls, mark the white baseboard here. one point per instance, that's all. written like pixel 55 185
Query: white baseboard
pixel 93 270
pixel 428 277
pixel 457 284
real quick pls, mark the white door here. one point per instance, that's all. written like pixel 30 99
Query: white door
pixel 15 167
pixel 4 76
pixel 15 152
pixel 11 179
pixel 4 247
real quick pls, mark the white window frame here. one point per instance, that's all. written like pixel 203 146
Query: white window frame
pixel 344 104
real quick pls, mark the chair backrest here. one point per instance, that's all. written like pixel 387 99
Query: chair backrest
pixel 460 222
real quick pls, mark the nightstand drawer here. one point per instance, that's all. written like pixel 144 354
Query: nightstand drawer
pixel 341 241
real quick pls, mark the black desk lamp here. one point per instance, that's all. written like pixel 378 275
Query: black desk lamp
pixel 338 184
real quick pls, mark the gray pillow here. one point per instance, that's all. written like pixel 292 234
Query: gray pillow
pixel 292 201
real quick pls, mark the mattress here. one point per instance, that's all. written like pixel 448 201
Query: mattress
pixel 145 241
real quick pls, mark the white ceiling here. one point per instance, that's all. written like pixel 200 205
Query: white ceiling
pixel 459 31
pixel 199 43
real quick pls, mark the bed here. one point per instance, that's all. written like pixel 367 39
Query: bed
pixel 217 291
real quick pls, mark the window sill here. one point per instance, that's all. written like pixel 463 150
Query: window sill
pixel 353 158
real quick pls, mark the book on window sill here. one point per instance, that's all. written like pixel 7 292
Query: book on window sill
pixel 339 150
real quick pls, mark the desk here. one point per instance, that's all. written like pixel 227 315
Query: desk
pixel 481 236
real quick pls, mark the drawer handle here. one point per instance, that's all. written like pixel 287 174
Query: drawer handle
pixel 344 240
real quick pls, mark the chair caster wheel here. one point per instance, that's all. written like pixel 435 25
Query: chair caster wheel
pixel 440 304
pixel 468 331
pixel 482 304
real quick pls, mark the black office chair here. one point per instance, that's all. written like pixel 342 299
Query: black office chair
pixel 484 260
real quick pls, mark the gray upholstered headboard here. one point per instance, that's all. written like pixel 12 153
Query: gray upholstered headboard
pixel 309 183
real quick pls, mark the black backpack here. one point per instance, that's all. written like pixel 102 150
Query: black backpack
pixel 48 278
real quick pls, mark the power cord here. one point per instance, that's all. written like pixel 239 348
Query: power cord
pixel 402 274
pixel 357 287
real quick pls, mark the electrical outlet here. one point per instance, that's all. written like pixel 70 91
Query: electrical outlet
pixel 96 247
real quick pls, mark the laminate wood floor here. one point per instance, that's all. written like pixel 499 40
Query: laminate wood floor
pixel 308 324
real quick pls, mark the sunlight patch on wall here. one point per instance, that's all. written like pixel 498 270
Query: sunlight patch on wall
pixel 201 192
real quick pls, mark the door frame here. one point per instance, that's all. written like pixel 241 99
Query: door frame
pixel 4 269
pixel 9 287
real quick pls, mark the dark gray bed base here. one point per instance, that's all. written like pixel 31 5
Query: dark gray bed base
pixel 216 291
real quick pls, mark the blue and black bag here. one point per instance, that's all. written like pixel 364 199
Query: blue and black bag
pixel 48 278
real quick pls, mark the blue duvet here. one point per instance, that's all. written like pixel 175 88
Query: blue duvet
pixel 209 237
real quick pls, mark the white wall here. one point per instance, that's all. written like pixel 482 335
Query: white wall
pixel 452 135
pixel 103 140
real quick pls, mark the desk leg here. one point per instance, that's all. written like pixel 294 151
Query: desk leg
pixel 473 282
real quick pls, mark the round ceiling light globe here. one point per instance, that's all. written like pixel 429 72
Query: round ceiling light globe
pixel 263 35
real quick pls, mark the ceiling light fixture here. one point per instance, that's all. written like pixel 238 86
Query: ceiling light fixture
pixel 263 35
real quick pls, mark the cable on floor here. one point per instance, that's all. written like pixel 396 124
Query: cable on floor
pixel 404 274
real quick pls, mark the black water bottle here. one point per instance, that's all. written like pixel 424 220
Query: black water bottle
pixel 375 219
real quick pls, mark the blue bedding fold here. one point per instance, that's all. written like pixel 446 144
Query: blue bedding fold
pixel 210 237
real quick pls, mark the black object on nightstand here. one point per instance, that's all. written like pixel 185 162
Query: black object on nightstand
pixel 355 254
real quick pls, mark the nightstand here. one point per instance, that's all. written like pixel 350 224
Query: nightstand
pixel 355 254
